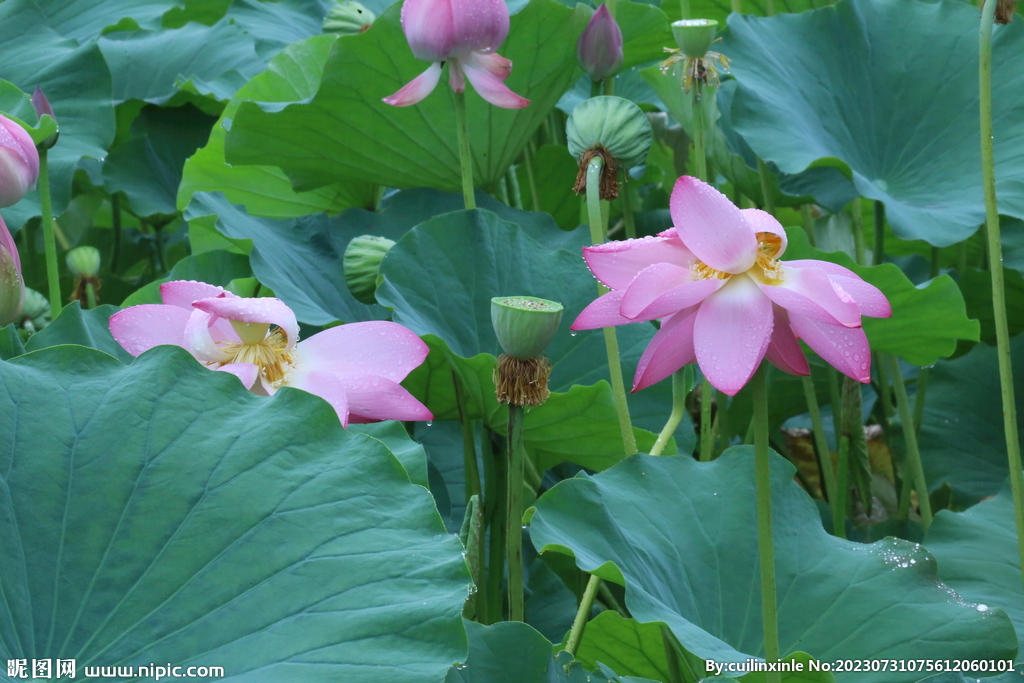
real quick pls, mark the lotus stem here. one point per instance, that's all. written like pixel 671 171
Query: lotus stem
pixel 807 218
pixel 860 251
pixel 766 190
pixel 582 615
pixel 514 516
pixel 494 513
pixel 627 208
pixel 842 488
pixel 115 226
pixel 765 544
pixel 910 437
pixel 49 238
pixel 528 160
pixel 699 155
pixel 90 295
pixel 879 255
pixel 468 442
pixel 513 188
pixel 679 389
pixel 611 342
pixel 919 398
pixel 828 473
pixel 995 253
pixel 707 432
pixel 465 155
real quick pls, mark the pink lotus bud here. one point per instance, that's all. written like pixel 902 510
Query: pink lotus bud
pixel 19 162
pixel 466 35
pixel 12 285
pixel 41 104
pixel 599 50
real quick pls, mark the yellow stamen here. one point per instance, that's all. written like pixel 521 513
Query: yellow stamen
pixel 766 269
pixel 268 355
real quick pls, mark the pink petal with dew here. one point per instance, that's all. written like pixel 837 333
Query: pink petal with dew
pixel 416 89
pixel 378 348
pixel 784 350
pixel 731 334
pixel 246 372
pixel 492 88
pixel 808 292
pixel 430 29
pixel 326 386
pixel 256 310
pixel 712 227
pixel 498 66
pixel 762 221
pixel 870 299
pixel 7 242
pixel 649 284
pixel 678 298
pixel 182 293
pixel 479 24
pixel 19 162
pixel 844 348
pixel 602 312
pixel 140 328
pixel 669 350
pixel 615 264
pixel 201 340
pixel 373 398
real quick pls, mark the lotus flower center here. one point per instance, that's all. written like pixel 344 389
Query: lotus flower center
pixel 766 269
pixel 264 348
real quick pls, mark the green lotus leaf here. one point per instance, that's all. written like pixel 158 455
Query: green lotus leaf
pixel 837 599
pixel 900 113
pixel 159 512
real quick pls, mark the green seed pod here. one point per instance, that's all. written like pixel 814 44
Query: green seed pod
pixel 36 312
pixel 348 18
pixel 84 261
pixel 614 129
pixel 362 262
pixel 525 325
pixel 695 36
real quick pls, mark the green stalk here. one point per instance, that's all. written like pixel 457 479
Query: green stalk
pixel 919 397
pixel 528 160
pixel 828 474
pixel 115 226
pixel 699 155
pixel 611 343
pixel 609 86
pixel 860 250
pixel 595 88
pixel 684 9
pixel 90 295
pixel 842 488
pixel 502 192
pixel 707 432
pixel 627 208
pixel 769 198
pixel 513 188
pixel 765 544
pixel 737 6
pixel 676 416
pixel 910 437
pixel 472 471
pixel 675 672
pixel 49 239
pixel 514 516
pixel 879 255
pixel 769 8
pixel 995 251
pixel 807 218
pixel 883 387
pixel 465 156
pixel 837 403
pixel 494 512
pixel 582 615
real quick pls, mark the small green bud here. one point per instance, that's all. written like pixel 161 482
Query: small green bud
pixel 36 312
pixel 363 256
pixel 695 36
pixel 348 18
pixel 525 325
pixel 84 262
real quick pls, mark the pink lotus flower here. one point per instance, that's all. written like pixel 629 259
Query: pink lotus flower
pixel 19 162
pixel 356 368
pixel 599 50
pixel 724 298
pixel 12 285
pixel 465 34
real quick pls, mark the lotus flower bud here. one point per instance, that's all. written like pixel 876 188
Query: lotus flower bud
pixel 42 106
pixel 694 36
pixel 84 261
pixel 19 162
pixel 614 129
pixel 362 260
pixel 599 49
pixel 348 18
pixel 12 286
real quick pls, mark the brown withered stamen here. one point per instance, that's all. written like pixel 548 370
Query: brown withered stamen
pixel 1005 10
pixel 78 292
pixel 609 185
pixel 522 382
